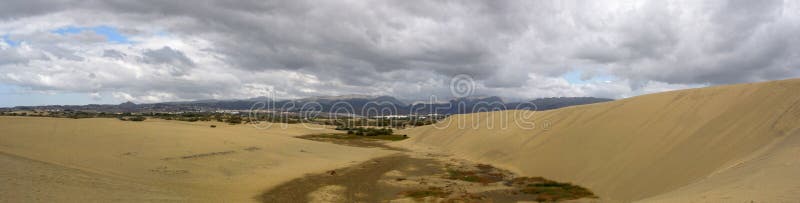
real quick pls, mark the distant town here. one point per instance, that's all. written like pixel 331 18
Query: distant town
pixel 351 111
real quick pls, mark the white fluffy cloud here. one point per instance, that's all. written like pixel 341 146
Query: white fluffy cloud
pixel 409 49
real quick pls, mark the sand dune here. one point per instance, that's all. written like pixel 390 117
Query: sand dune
pixel 728 143
pixel 770 175
pixel 724 143
pixel 52 159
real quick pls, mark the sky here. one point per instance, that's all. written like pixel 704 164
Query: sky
pixel 81 52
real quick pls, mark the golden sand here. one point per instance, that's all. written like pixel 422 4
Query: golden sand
pixel 726 143
pixel 732 143
pixel 79 160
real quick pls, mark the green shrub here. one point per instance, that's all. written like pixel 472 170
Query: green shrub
pixel 550 191
pixel 234 120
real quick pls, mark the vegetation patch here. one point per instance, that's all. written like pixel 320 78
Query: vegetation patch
pixel 540 189
pixel 362 131
pixel 428 192
pixel 392 137
pixel 132 118
pixel 479 176
pixel 467 197
pixel 548 190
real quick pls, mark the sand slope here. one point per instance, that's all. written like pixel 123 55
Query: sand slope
pixel 644 146
pixel 770 175
pixel 51 159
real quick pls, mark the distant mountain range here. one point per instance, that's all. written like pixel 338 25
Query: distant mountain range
pixel 349 104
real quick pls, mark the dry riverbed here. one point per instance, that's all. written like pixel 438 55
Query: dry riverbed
pixel 417 177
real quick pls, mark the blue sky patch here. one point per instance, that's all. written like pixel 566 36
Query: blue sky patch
pixel 574 77
pixel 7 39
pixel 112 34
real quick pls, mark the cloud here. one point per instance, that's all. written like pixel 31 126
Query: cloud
pixel 174 60
pixel 410 49
pixel 110 53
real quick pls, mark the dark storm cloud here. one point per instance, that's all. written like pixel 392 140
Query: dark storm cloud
pixel 17 9
pixel 177 62
pixel 328 35
pixel 382 46
pixel 167 55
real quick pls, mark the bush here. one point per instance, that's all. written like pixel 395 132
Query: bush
pixel 213 126
pixel 551 191
pixel 235 120
pixel 122 118
pixel 368 131
pixel 190 119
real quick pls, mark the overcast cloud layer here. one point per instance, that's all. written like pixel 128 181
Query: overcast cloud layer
pixel 151 51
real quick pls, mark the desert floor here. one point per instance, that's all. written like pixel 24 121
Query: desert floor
pixel 78 160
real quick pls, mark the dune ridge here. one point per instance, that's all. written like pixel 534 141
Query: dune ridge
pixel 687 145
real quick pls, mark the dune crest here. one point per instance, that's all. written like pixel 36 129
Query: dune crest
pixel 688 144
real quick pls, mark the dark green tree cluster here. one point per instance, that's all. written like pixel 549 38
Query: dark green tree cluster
pixel 233 120
pixel 396 123
pixel 361 131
